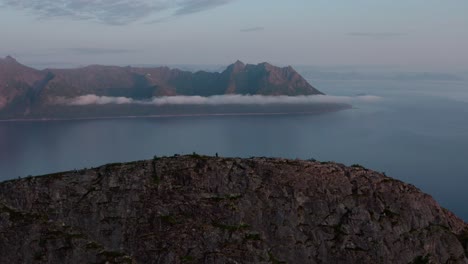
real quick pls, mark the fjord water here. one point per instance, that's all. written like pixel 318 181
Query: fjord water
pixel 417 132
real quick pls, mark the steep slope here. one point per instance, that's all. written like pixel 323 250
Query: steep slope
pixel 17 83
pixel 266 79
pixel 196 209
pixel 99 80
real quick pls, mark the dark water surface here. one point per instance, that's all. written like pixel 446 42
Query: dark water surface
pixel 417 133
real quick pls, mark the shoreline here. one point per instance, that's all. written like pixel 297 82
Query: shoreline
pixel 167 116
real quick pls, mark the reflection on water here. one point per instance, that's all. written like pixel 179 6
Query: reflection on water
pixel 417 133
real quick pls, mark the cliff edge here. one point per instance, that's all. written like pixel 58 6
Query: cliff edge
pixel 197 209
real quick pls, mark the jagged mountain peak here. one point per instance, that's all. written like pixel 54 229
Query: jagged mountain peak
pixel 265 64
pixel 9 60
pixel 238 62
pixel 236 67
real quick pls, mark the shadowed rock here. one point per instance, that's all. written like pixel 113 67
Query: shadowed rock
pixel 225 210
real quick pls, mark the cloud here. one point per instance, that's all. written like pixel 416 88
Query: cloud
pixel 92 99
pixel 194 6
pixel 114 12
pixel 376 34
pixel 252 29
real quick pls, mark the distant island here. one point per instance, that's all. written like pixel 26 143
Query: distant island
pixel 112 91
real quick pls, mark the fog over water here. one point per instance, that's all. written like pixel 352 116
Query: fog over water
pixel 92 99
pixel 417 131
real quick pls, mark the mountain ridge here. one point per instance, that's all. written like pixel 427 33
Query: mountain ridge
pixel 25 91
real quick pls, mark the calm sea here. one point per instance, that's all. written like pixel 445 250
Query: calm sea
pixel 417 132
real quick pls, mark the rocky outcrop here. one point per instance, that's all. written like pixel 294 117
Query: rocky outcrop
pixel 196 209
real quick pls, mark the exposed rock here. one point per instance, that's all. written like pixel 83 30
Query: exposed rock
pixel 196 209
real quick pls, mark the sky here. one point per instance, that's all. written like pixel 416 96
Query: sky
pixel 426 34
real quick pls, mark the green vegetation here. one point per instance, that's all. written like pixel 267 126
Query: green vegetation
pixel 421 260
pixel 389 213
pixel 93 245
pixel 253 236
pixel 233 197
pixel 230 197
pixel 357 166
pixel 463 237
pixel 217 199
pixel 156 179
pixel 14 215
pixel 112 254
pixel 114 164
pixel 231 228
pixel 58 175
pixel 186 259
pixel 339 229
pixel 39 255
pixel 169 219
pixel 127 259
pixel 198 156
pixel 75 235
pixel 274 260
pixel 42 242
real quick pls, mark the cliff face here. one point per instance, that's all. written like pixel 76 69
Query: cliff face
pixel 193 209
pixel 25 91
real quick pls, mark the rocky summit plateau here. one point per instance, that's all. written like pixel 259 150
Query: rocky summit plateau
pixel 27 93
pixel 198 209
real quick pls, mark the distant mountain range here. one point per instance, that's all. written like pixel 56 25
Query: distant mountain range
pixel 29 93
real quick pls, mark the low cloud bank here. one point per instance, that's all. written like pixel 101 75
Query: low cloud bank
pixel 92 99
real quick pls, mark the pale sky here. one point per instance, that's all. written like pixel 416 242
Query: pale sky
pixel 407 33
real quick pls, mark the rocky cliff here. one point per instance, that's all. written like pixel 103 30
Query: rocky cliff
pixel 29 93
pixel 196 209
